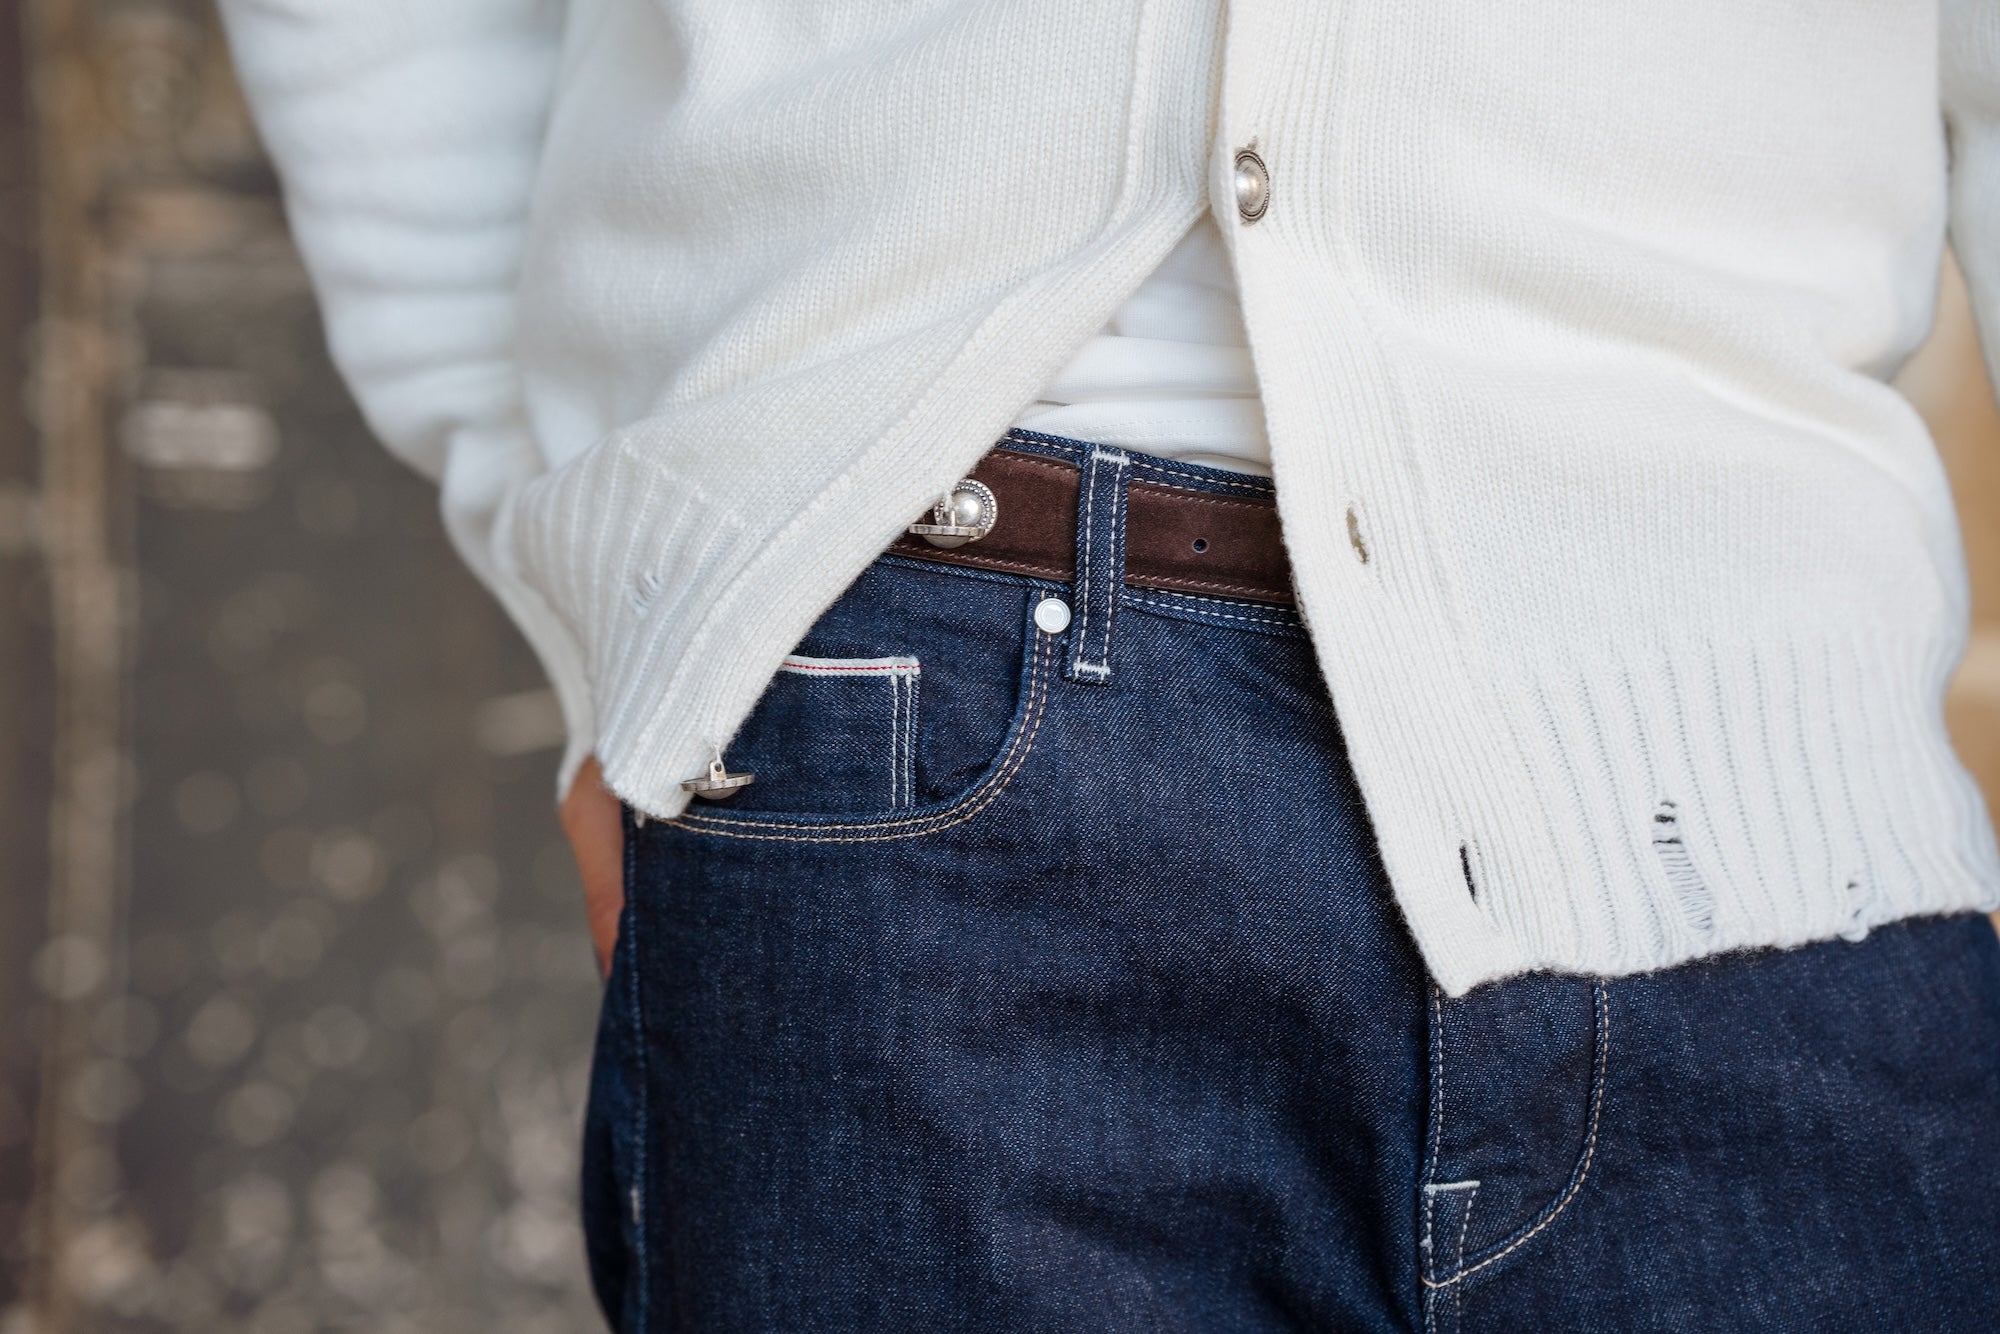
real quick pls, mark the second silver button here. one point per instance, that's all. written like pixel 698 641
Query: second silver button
pixel 1253 185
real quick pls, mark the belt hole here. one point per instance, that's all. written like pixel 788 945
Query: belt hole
pixel 1200 545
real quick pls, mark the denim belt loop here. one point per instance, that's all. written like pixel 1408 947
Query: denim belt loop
pixel 1100 563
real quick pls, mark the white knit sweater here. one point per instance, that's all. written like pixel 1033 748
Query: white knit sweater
pixel 1576 319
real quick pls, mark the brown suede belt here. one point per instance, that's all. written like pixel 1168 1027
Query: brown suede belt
pixel 1176 538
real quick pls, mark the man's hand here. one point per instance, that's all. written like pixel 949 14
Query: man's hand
pixel 595 826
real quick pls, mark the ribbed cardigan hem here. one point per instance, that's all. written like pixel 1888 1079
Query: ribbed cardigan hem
pixel 1601 813
pixel 1622 812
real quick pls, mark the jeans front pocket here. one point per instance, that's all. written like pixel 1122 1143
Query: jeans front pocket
pixel 1517 1087
pixel 835 735
pixel 909 707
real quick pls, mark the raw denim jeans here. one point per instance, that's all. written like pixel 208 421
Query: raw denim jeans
pixel 1022 995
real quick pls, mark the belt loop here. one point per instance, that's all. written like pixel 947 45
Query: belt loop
pixel 1100 563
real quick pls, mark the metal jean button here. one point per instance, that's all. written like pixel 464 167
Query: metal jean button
pixel 718 782
pixel 966 514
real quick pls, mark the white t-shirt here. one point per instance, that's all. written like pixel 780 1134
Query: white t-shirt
pixel 1170 372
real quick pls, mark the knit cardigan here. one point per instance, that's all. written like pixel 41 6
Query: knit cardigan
pixel 1635 584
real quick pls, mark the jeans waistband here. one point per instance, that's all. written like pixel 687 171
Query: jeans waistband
pixel 1068 509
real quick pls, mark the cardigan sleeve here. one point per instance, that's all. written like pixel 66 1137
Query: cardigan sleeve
pixel 406 136
pixel 1969 66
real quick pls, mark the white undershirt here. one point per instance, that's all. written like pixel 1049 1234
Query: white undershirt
pixel 1170 373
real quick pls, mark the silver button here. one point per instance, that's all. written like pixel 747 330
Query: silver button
pixel 966 514
pixel 1052 616
pixel 718 783
pixel 1253 185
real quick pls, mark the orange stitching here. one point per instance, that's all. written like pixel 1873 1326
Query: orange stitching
pixel 1010 764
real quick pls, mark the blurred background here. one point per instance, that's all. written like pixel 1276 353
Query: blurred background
pixel 295 999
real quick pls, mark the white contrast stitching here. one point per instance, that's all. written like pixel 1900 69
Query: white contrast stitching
pixel 1602 1077
pixel 1263 488
pixel 1430 1263
pixel 1430 1258
pixel 978 799
pixel 1276 619
pixel 911 698
pixel 1464 1217
pixel 1429 1266
pixel 1458 1261
pixel 1123 511
pixel 800 665
pixel 1119 509
pixel 1083 585
pixel 1086 589
pixel 895 741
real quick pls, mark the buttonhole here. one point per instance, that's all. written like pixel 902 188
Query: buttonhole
pixel 645 589
pixel 1465 869
pixel 1200 545
pixel 1354 535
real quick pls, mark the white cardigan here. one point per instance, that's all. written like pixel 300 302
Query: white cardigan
pixel 1575 318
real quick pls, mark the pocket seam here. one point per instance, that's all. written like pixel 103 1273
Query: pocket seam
pixel 903 740
pixel 1600 1065
pixel 902 673
pixel 637 1195
pixel 916 826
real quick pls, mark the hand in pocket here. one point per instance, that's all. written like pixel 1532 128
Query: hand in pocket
pixel 594 823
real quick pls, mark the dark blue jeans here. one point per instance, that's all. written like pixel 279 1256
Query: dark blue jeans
pixel 1050 981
